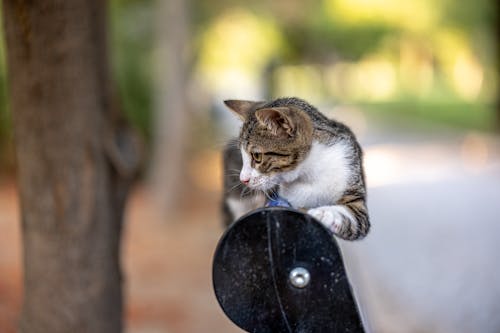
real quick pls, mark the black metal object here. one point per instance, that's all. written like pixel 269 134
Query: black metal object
pixel 251 275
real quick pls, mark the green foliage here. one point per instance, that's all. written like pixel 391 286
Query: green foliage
pixel 131 24
pixel 325 32
pixel 477 116
pixel 321 32
pixel 321 40
pixel 470 15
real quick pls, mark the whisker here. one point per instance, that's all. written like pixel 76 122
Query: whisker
pixel 221 144
pixel 234 187
pixel 267 195
pixel 245 191
pixel 232 175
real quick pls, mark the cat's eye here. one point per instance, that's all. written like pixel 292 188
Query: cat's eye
pixel 257 157
pixel 277 154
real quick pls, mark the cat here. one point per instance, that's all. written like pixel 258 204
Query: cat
pixel 287 148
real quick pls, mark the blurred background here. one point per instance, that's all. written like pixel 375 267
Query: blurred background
pixel 416 80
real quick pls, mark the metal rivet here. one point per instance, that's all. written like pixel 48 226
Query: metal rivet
pixel 299 277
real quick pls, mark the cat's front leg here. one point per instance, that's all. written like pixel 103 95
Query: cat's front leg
pixel 332 217
pixel 345 222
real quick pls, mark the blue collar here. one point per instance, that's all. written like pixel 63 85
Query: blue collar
pixel 274 200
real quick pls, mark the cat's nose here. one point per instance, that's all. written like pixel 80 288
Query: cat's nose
pixel 245 180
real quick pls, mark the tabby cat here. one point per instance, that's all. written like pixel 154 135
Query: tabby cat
pixel 287 148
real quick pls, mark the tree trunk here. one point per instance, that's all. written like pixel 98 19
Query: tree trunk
pixel 75 160
pixel 171 107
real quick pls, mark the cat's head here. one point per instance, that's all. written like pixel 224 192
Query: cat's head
pixel 273 141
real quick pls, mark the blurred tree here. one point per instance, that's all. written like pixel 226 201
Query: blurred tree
pixel 6 150
pixel 171 112
pixel 76 158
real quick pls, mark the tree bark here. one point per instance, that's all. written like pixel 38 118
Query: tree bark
pixel 75 160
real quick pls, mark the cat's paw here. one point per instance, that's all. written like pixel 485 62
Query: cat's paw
pixel 328 216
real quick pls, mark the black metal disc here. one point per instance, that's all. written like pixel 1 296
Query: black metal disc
pixel 251 269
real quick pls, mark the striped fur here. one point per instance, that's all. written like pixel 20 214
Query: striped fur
pixel 314 162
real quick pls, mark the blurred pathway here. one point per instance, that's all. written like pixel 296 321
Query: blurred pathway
pixel 168 267
pixel 430 263
pixel 10 258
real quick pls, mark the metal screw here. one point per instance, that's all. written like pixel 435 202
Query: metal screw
pixel 299 277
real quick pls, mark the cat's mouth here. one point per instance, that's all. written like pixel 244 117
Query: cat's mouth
pixel 260 184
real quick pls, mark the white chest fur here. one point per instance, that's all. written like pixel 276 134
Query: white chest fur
pixel 320 179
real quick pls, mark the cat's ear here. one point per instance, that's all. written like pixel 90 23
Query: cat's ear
pixel 241 108
pixel 278 120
